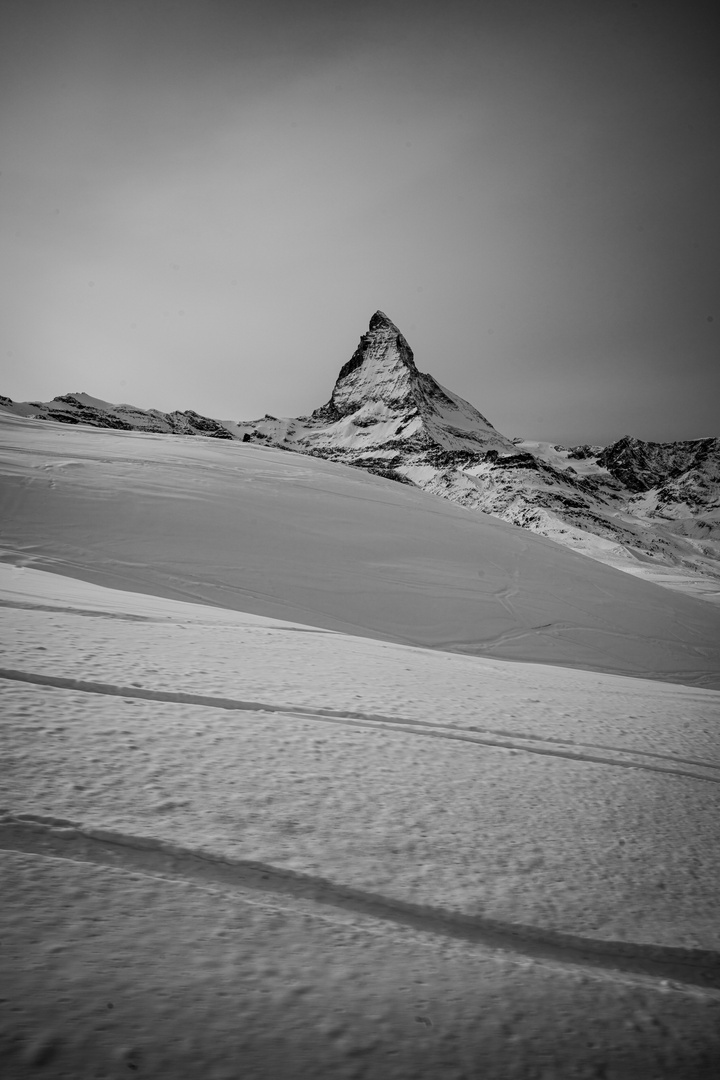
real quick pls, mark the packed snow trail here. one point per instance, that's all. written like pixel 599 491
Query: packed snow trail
pixel 61 838
pixel 115 970
pixel 526 743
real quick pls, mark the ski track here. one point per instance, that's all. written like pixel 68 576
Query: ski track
pixel 52 837
pixel 530 744
pixel 84 612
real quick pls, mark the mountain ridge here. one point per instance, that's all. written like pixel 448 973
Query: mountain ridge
pixel 652 509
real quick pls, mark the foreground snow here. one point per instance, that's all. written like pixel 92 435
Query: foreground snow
pixel 165 761
pixel 236 844
pixel 461 783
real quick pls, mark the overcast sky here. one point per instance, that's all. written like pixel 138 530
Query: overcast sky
pixel 202 204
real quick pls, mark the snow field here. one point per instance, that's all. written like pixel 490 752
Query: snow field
pixel 190 793
pixel 563 845
pixel 286 536
pixel 112 972
pixel 616 842
pixel 154 644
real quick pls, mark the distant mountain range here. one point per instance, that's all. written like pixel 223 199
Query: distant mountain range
pixel 652 509
pixel 84 409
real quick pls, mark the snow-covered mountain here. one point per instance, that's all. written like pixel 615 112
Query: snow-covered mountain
pixel 80 408
pixel 385 414
pixel 651 509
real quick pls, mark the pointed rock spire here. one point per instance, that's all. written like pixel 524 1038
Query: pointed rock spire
pixel 382 368
pixel 380 321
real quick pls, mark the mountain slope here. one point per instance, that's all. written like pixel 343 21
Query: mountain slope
pixel 80 408
pixel 294 537
pixel 229 839
pixel 650 509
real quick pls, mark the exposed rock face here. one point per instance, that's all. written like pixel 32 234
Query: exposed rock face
pixel 645 465
pixel 81 408
pixel 383 409
pixel 632 504
pixel 382 368
pixel 81 413
pixel 381 381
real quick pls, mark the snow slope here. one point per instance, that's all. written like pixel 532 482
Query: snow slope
pixel 295 537
pixel 232 842
pixel 243 736
pixel 244 831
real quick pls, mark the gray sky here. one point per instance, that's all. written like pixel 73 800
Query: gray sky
pixel 202 204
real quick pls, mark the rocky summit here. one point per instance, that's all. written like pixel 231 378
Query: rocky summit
pixel 383 413
pixel 382 395
pixel 652 509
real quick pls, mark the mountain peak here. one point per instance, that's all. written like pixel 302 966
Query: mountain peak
pixel 381 404
pixel 381 321
pixel 381 368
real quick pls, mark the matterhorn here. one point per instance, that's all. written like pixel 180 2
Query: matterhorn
pixel 650 509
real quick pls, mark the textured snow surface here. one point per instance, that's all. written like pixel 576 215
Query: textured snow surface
pixel 114 973
pixel 234 844
pixel 295 537
pixel 458 782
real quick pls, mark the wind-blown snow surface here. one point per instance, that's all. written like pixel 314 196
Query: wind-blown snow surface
pixel 385 800
pixel 285 535
pixel 453 781
pixel 240 845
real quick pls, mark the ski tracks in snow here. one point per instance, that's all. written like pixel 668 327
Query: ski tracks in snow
pixel 46 836
pixel 514 742
pixel 52 837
